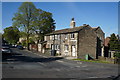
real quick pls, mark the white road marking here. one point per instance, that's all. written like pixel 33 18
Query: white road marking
pixel 41 63
pixel 59 61
pixel 77 66
pixel 39 55
pixel 45 56
pixel 93 77
pixel 79 62
pixel 7 62
pixel 57 69
pixel 10 59
pixel 84 66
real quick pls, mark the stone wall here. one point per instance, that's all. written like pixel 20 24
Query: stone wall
pixel 70 42
pixel 87 43
pixel 62 41
pixel 111 60
pixel 101 38
pixel 33 47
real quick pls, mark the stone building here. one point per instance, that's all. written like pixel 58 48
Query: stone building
pixel 106 47
pixel 77 42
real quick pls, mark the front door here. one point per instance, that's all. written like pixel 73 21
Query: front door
pixel 73 50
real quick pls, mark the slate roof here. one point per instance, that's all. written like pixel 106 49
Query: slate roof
pixel 95 28
pixel 68 30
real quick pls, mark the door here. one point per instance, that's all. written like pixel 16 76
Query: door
pixel 73 50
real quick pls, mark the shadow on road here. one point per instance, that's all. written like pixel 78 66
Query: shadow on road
pixel 15 57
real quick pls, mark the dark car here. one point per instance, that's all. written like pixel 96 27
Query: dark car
pixel 20 47
pixel 6 49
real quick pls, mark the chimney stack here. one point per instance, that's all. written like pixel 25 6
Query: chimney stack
pixel 72 23
pixel 84 24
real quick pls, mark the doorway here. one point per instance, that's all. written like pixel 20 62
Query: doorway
pixel 73 50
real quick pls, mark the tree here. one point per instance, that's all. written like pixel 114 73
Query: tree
pixel 43 24
pixel 11 34
pixel 24 18
pixel 117 54
pixel 114 45
pixel 114 42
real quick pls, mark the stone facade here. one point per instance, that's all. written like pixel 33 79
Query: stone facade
pixel 77 41
pixel 63 43
pixel 87 43
pixel 100 41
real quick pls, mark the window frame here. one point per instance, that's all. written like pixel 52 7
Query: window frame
pixel 55 46
pixel 66 36
pixel 72 36
pixel 66 48
pixel 57 37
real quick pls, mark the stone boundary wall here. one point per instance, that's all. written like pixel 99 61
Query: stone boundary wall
pixel 33 47
pixel 111 60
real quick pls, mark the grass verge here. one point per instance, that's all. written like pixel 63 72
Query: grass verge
pixel 96 61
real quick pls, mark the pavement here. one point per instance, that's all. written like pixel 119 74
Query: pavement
pixel 34 65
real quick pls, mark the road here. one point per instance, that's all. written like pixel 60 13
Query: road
pixel 26 64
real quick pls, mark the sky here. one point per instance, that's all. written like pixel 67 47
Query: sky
pixel 103 14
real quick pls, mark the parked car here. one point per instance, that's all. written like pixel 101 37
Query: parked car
pixel 20 47
pixel 6 49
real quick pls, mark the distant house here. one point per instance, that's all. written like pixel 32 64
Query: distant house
pixel 21 39
pixel 106 47
pixel 77 42
pixel 107 52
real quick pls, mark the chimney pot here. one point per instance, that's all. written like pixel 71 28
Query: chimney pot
pixel 72 23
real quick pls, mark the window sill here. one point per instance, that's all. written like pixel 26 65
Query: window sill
pixel 72 38
pixel 65 51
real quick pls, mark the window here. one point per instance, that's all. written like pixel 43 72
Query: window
pixel 66 48
pixel 56 37
pixel 52 47
pixel 45 38
pixel 66 36
pixel 72 35
pixel 56 47
pixel 101 38
pixel 52 37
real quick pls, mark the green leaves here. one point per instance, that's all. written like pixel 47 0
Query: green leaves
pixel 43 23
pixel 31 20
pixel 114 42
pixel 117 54
pixel 11 34
pixel 24 17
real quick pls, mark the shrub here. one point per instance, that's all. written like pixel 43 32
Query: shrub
pixel 117 54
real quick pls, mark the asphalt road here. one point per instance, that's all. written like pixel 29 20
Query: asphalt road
pixel 26 64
